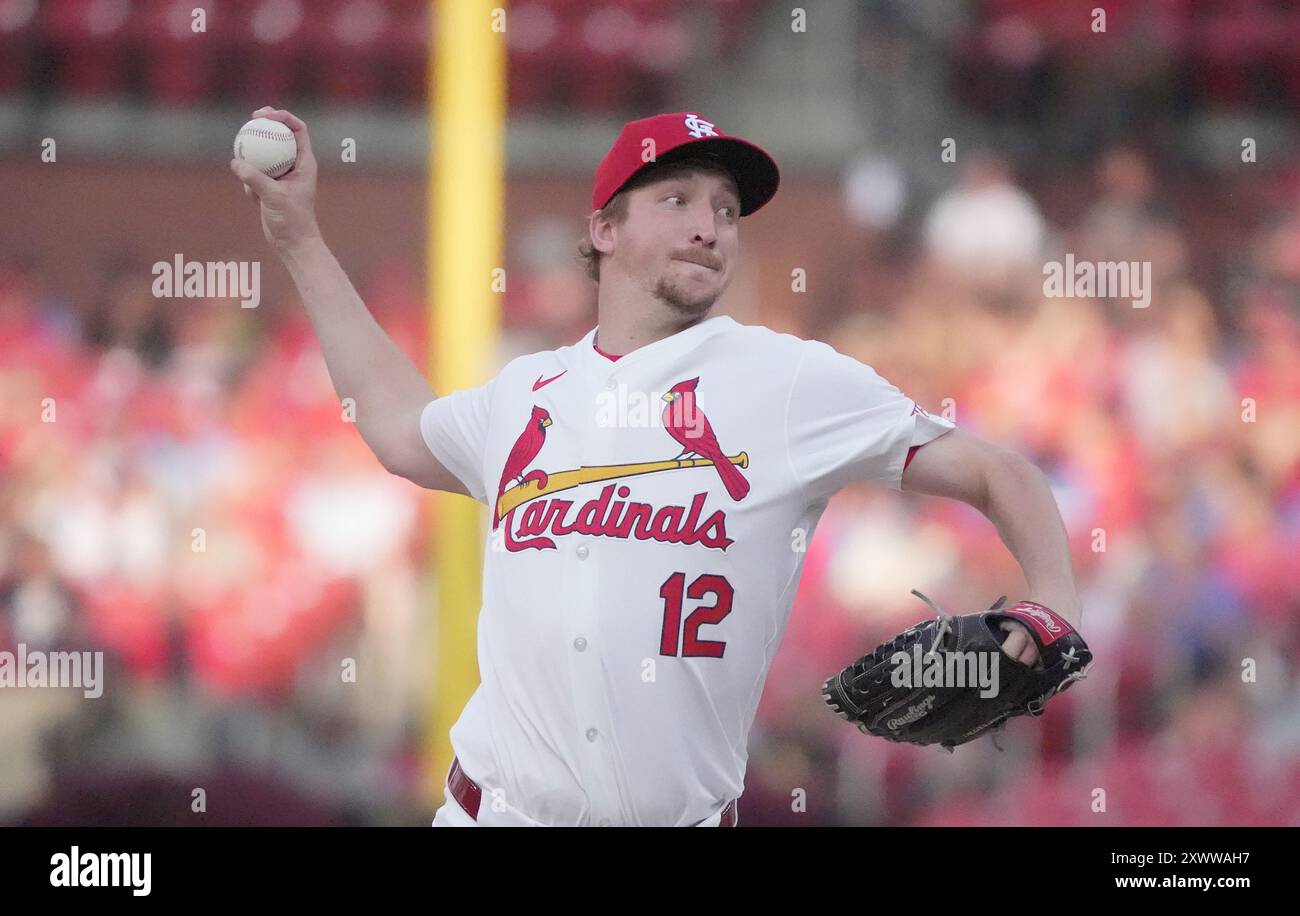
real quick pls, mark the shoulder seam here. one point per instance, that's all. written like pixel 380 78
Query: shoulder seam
pixel 785 425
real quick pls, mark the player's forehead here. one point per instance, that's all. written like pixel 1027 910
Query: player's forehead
pixel 711 179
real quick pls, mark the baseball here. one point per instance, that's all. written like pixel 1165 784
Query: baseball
pixel 267 145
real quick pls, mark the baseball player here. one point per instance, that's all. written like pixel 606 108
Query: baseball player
pixel 649 488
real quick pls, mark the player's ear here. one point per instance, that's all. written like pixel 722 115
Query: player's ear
pixel 601 230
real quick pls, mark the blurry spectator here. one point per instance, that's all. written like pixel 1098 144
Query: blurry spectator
pixel 128 315
pixel 37 606
pixel 1116 224
pixel 1176 392
pixel 987 224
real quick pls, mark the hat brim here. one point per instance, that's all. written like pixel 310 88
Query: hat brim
pixel 755 172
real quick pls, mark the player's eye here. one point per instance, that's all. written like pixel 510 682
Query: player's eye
pixel 731 211
pixel 677 197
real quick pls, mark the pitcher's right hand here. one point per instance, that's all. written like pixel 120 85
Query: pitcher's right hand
pixel 287 204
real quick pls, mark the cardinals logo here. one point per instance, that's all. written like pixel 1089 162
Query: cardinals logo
pixel 525 449
pixel 687 425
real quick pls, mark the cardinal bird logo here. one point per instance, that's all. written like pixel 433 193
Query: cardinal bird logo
pixel 687 424
pixel 525 449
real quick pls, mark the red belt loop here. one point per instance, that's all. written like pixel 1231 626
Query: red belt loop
pixel 465 790
pixel 469 796
pixel 728 815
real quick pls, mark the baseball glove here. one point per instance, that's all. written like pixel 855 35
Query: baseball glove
pixel 947 681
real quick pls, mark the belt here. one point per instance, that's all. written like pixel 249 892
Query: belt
pixel 469 795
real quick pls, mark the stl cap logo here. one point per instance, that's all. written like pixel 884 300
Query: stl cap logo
pixel 699 127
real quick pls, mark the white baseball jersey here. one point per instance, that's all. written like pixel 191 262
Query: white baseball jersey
pixel 649 518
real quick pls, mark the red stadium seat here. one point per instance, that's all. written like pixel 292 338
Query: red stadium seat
pixel 273 49
pixel 406 51
pixel 85 37
pixel 18 31
pixel 179 63
pixel 532 37
pixel 345 39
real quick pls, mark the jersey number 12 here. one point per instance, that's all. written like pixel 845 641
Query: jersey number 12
pixel 683 640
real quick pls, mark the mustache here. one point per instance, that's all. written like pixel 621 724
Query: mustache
pixel 698 257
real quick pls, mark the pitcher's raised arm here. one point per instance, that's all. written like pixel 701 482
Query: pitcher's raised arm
pixel 364 363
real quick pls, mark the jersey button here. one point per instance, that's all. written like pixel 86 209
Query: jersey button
pixel 580 644
pixel 609 384
pixel 591 734
pixel 582 551
pixel 604 822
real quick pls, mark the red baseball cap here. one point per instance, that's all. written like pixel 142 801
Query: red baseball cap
pixel 678 135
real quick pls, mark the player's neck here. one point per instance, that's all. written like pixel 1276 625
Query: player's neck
pixel 628 319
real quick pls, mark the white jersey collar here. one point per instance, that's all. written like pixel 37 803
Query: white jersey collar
pixel 671 344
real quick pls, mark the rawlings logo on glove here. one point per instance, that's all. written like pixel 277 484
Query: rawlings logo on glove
pixel 921 686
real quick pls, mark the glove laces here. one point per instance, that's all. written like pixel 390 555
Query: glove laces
pixel 945 620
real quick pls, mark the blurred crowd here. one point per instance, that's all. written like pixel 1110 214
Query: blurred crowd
pixel 179 487
pixel 589 56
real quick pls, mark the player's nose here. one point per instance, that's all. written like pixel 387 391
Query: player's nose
pixel 703 228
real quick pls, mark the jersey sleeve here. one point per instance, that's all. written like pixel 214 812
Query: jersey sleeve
pixel 455 427
pixel 844 423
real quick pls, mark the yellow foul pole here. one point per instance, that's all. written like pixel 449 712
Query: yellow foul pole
pixel 464 245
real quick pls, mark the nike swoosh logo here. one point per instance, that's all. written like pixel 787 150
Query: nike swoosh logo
pixel 542 383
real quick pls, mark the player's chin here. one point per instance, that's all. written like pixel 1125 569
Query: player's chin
pixel 700 282
pixel 688 299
